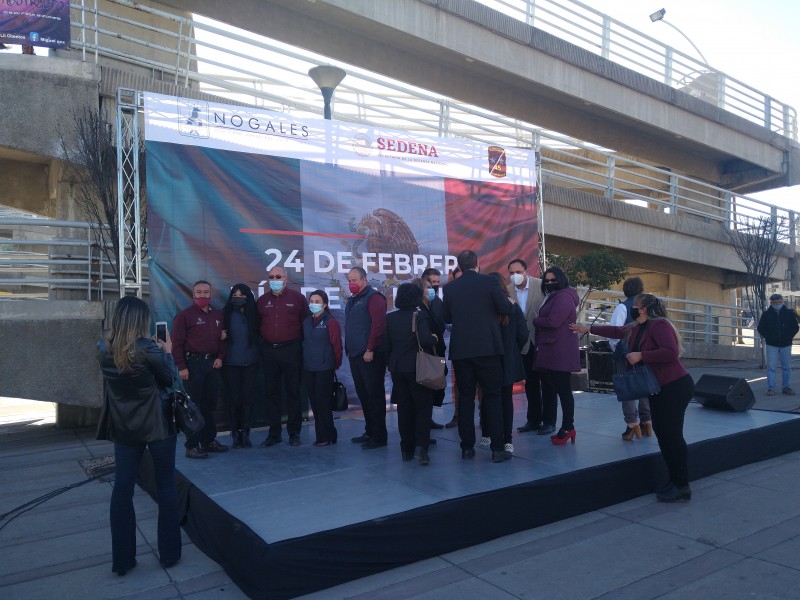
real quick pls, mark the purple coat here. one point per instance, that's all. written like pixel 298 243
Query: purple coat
pixel 556 343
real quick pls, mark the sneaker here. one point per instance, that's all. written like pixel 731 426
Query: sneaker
pixel 509 448
pixel 770 392
pixel 788 391
pixel 196 453
pixel 485 442
pixel 215 446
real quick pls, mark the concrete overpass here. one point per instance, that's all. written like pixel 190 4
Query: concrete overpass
pixel 467 51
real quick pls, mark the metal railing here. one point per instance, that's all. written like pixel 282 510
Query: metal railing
pixel 224 61
pixel 50 259
pixel 598 33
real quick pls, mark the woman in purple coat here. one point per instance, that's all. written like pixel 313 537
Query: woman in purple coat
pixel 655 342
pixel 557 354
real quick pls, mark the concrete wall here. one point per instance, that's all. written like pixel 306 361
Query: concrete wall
pixel 49 351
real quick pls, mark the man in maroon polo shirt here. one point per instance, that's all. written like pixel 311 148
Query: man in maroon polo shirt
pixel 198 351
pixel 282 312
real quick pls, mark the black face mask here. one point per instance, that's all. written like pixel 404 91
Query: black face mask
pixel 550 287
pixel 635 313
pixel 238 301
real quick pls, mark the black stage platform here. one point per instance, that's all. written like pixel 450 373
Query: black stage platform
pixel 285 521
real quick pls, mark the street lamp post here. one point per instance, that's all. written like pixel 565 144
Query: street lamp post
pixel 659 16
pixel 327 77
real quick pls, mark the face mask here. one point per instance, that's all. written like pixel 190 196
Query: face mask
pixel 202 302
pixel 238 301
pixel 315 308
pixel 777 306
pixel 635 313
pixel 436 289
pixel 276 285
pixel 431 294
pixel 517 278
pixel 354 287
pixel 550 287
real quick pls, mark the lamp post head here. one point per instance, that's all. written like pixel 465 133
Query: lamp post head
pixel 658 15
pixel 327 77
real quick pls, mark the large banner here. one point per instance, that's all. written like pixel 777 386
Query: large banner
pixel 234 191
pixel 35 22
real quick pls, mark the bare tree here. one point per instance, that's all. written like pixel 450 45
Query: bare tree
pixel 91 159
pixel 597 270
pixel 755 241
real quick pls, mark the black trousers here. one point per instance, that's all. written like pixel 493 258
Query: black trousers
pixel 240 384
pixel 203 387
pixel 414 411
pixel 283 366
pixel 368 378
pixel 536 390
pixel 488 372
pixel 558 383
pixel 320 393
pixel 668 409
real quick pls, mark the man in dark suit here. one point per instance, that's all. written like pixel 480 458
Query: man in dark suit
pixel 473 304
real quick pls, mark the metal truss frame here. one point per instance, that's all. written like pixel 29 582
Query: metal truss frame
pixel 129 226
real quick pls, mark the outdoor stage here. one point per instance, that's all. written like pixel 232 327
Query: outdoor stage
pixel 285 521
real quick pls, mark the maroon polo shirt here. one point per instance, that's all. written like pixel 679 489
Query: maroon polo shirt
pixel 282 316
pixel 199 332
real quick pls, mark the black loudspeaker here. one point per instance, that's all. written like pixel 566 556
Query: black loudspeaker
pixel 725 393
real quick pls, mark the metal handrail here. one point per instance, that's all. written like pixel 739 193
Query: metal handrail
pixel 235 68
pixel 600 34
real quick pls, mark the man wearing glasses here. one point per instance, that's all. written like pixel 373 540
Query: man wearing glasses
pixel 778 326
pixel 282 312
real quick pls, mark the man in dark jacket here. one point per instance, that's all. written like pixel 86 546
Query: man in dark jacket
pixel 778 326
pixel 473 303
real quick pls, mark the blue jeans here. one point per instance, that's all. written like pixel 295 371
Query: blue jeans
pixel 784 356
pixel 123 516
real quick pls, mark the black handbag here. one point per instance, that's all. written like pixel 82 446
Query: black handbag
pixel 339 398
pixel 637 382
pixel 430 369
pixel 187 415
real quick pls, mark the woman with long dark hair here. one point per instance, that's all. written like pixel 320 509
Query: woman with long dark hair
pixel 515 335
pixel 240 366
pixel 414 401
pixel 136 415
pixel 322 355
pixel 557 353
pixel 655 342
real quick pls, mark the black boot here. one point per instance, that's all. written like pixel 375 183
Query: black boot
pixel 422 455
pixel 236 437
pixel 245 435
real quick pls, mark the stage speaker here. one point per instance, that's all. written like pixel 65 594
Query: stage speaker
pixel 725 393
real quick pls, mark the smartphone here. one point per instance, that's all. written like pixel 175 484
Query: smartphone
pixel 161 331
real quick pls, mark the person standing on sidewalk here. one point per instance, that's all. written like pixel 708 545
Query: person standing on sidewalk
pixel 198 351
pixel 778 326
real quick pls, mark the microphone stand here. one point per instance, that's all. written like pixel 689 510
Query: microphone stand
pixel 603 308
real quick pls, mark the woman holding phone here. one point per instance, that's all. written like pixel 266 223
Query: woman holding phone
pixel 137 415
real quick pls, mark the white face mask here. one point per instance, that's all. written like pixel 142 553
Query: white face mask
pixel 517 278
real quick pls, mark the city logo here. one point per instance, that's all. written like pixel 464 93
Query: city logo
pixel 497 161
pixel 193 118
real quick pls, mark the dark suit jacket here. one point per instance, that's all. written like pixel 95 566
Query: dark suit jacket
pixel 472 304
pixel 400 343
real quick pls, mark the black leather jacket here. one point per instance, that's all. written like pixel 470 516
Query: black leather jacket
pixel 135 410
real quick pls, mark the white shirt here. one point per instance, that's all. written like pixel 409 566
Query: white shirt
pixel 618 318
pixel 522 294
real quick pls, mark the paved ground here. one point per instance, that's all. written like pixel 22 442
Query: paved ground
pixel 739 537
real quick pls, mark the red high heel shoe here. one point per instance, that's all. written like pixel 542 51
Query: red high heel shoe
pixel 560 439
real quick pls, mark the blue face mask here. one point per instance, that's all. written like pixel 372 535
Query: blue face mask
pixel 315 308
pixel 777 306
pixel 276 285
pixel 431 294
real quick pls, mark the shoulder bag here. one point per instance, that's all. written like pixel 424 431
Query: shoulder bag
pixel 339 398
pixel 636 382
pixel 430 369
pixel 188 417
